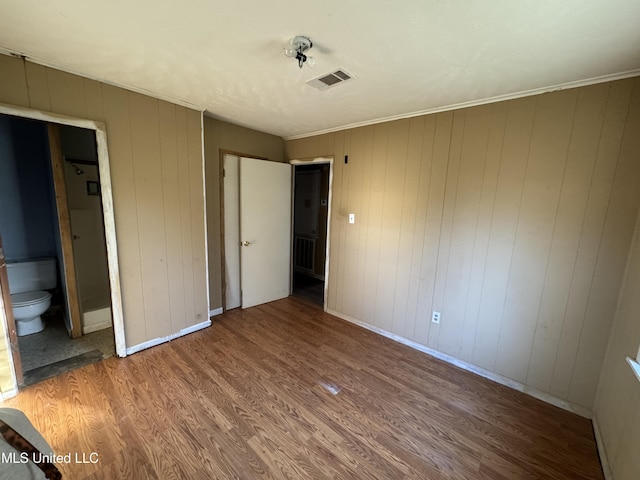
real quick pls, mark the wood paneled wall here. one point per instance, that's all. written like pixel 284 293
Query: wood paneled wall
pixel 219 135
pixel 617 408
pixel 512 219
pixel 156 159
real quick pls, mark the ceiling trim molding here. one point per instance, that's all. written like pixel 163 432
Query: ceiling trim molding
pixel 142 91
pixel 475 103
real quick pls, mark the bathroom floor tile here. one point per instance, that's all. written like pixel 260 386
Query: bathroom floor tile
pixel 54 345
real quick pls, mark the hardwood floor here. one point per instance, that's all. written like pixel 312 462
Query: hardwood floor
pixel 284 390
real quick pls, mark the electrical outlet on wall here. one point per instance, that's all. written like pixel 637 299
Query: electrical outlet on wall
pixel 435 317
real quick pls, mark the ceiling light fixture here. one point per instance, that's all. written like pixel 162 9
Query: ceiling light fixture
pixel 297 47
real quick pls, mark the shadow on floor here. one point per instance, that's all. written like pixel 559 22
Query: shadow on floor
pixel 52 352
pixel 309 288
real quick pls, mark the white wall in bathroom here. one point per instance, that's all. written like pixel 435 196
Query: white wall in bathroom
pixel 89 246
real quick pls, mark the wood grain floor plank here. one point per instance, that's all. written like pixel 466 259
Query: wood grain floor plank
pixel 284 390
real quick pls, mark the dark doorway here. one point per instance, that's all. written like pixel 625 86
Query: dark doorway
pixel 311 203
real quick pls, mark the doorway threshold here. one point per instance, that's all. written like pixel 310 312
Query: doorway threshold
pixel 54 369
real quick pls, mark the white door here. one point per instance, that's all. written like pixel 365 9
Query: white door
pixel 265 230
pixel 265 261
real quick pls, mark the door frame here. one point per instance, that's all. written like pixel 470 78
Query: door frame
pixel 64 231
pixel 315 161
pixel 107 207
pixel 7 311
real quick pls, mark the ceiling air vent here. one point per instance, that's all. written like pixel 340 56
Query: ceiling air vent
pixel 329 80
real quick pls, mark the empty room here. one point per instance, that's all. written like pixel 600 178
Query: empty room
pixel 368 240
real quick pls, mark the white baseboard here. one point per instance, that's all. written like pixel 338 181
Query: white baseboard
pixel 158 341
pixel 94 320
pixel 545 397
pixel 96 327
pixel 602 452
pixel 214 312
pixel 8 394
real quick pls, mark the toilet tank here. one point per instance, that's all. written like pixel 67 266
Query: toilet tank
pixel 32 275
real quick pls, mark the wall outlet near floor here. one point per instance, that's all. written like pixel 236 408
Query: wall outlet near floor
pixel 435 317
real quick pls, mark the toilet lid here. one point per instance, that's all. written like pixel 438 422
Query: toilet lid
pixel 29 298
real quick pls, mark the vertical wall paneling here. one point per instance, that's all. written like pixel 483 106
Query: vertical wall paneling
pixel 359 156
pixel 504 221
pixel 147 174
pixel 374 220
pixel 464 226
pixel 38 87
pixel 433 224
pixel 547 159
pixel 446 239
pixel 198 231
pixel 170 167
pixel 391 221
pixel 66 93
pixel 422 138
pixel 94 103
pixel 350 235
pixel 617 407
pixel 496 120
pixel 116 106
pixel 577 180
pixel 612 257
pixel 183 180
pixel 596 210
pixel 14 82
pixel 339 229
pixel 512 219
pixel 407 222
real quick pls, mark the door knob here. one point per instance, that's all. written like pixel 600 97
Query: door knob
pixel 245 244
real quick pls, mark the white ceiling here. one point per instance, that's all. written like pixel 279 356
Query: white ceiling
pixel 408 56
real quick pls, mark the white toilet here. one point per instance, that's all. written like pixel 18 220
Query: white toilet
pixel 27 282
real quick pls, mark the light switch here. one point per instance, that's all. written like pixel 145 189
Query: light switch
pixel 352 218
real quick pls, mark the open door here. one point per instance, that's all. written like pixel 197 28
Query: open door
pixel 68 270
pixel 257 231
pixel 5 303
pixel 265 231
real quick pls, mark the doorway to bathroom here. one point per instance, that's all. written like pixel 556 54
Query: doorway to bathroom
pixel 51 207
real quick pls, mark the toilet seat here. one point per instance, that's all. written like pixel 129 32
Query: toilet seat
pixel 29 298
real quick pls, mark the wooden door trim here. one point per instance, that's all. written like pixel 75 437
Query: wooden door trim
pixel 64 226
pixel 5 303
